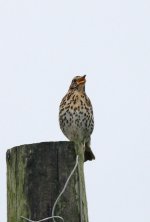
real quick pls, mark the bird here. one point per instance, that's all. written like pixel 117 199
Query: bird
pixel 76 118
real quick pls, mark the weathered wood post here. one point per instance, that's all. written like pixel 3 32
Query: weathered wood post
pixel 36 174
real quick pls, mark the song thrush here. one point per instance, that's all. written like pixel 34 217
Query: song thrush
pixel 76 116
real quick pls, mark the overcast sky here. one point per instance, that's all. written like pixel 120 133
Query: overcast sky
pixel 43 45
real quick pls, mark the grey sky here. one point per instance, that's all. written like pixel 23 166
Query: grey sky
pixel 43 45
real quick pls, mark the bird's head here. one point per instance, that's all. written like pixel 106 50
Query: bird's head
pixel 78 83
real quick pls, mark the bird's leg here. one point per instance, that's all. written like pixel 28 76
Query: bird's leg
pixel 80 148
pixel 83 145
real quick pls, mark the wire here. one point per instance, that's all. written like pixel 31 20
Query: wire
pixel 48 218
pixel 63 190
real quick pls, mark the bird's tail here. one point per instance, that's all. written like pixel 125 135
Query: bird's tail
pixel 88 154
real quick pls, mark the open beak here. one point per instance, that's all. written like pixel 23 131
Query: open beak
pixel 81 80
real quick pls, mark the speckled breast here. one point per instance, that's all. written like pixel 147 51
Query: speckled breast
pixel 76 117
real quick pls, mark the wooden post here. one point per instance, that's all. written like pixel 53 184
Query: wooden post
pixel 36 175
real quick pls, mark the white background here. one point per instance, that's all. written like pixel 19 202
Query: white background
pixel 43 45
